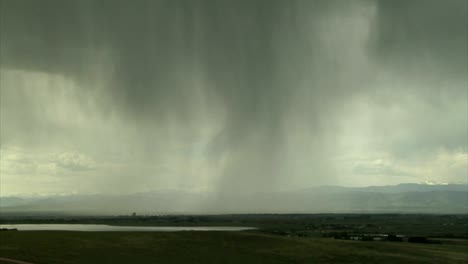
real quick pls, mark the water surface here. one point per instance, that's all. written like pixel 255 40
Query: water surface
pixel 96 228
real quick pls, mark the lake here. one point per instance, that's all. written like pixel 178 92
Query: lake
pixel 98 228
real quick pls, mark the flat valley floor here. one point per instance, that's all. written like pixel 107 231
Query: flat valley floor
pixel 213 247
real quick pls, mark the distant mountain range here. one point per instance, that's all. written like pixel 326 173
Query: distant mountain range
pixel 402 198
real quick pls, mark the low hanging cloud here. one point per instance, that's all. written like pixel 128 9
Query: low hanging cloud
pixel 17 161
pixel 377 167
pixel 75 161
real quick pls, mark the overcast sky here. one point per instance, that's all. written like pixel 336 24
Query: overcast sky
pixel 232 96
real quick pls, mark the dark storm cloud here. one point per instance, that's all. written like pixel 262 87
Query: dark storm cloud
pixel 425 37
pixel 426 44
pixel 254 54
pixel 274 76
pixel 236 43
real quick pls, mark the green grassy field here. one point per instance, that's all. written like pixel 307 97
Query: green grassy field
pixel 213 247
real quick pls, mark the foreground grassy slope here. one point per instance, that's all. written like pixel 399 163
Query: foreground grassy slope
pixel 212 247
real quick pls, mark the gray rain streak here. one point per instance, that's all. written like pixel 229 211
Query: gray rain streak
pixel 274 76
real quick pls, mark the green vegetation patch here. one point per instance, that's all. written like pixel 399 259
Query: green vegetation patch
pixel 213 247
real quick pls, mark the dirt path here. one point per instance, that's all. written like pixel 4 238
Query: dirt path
pixel 14 261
